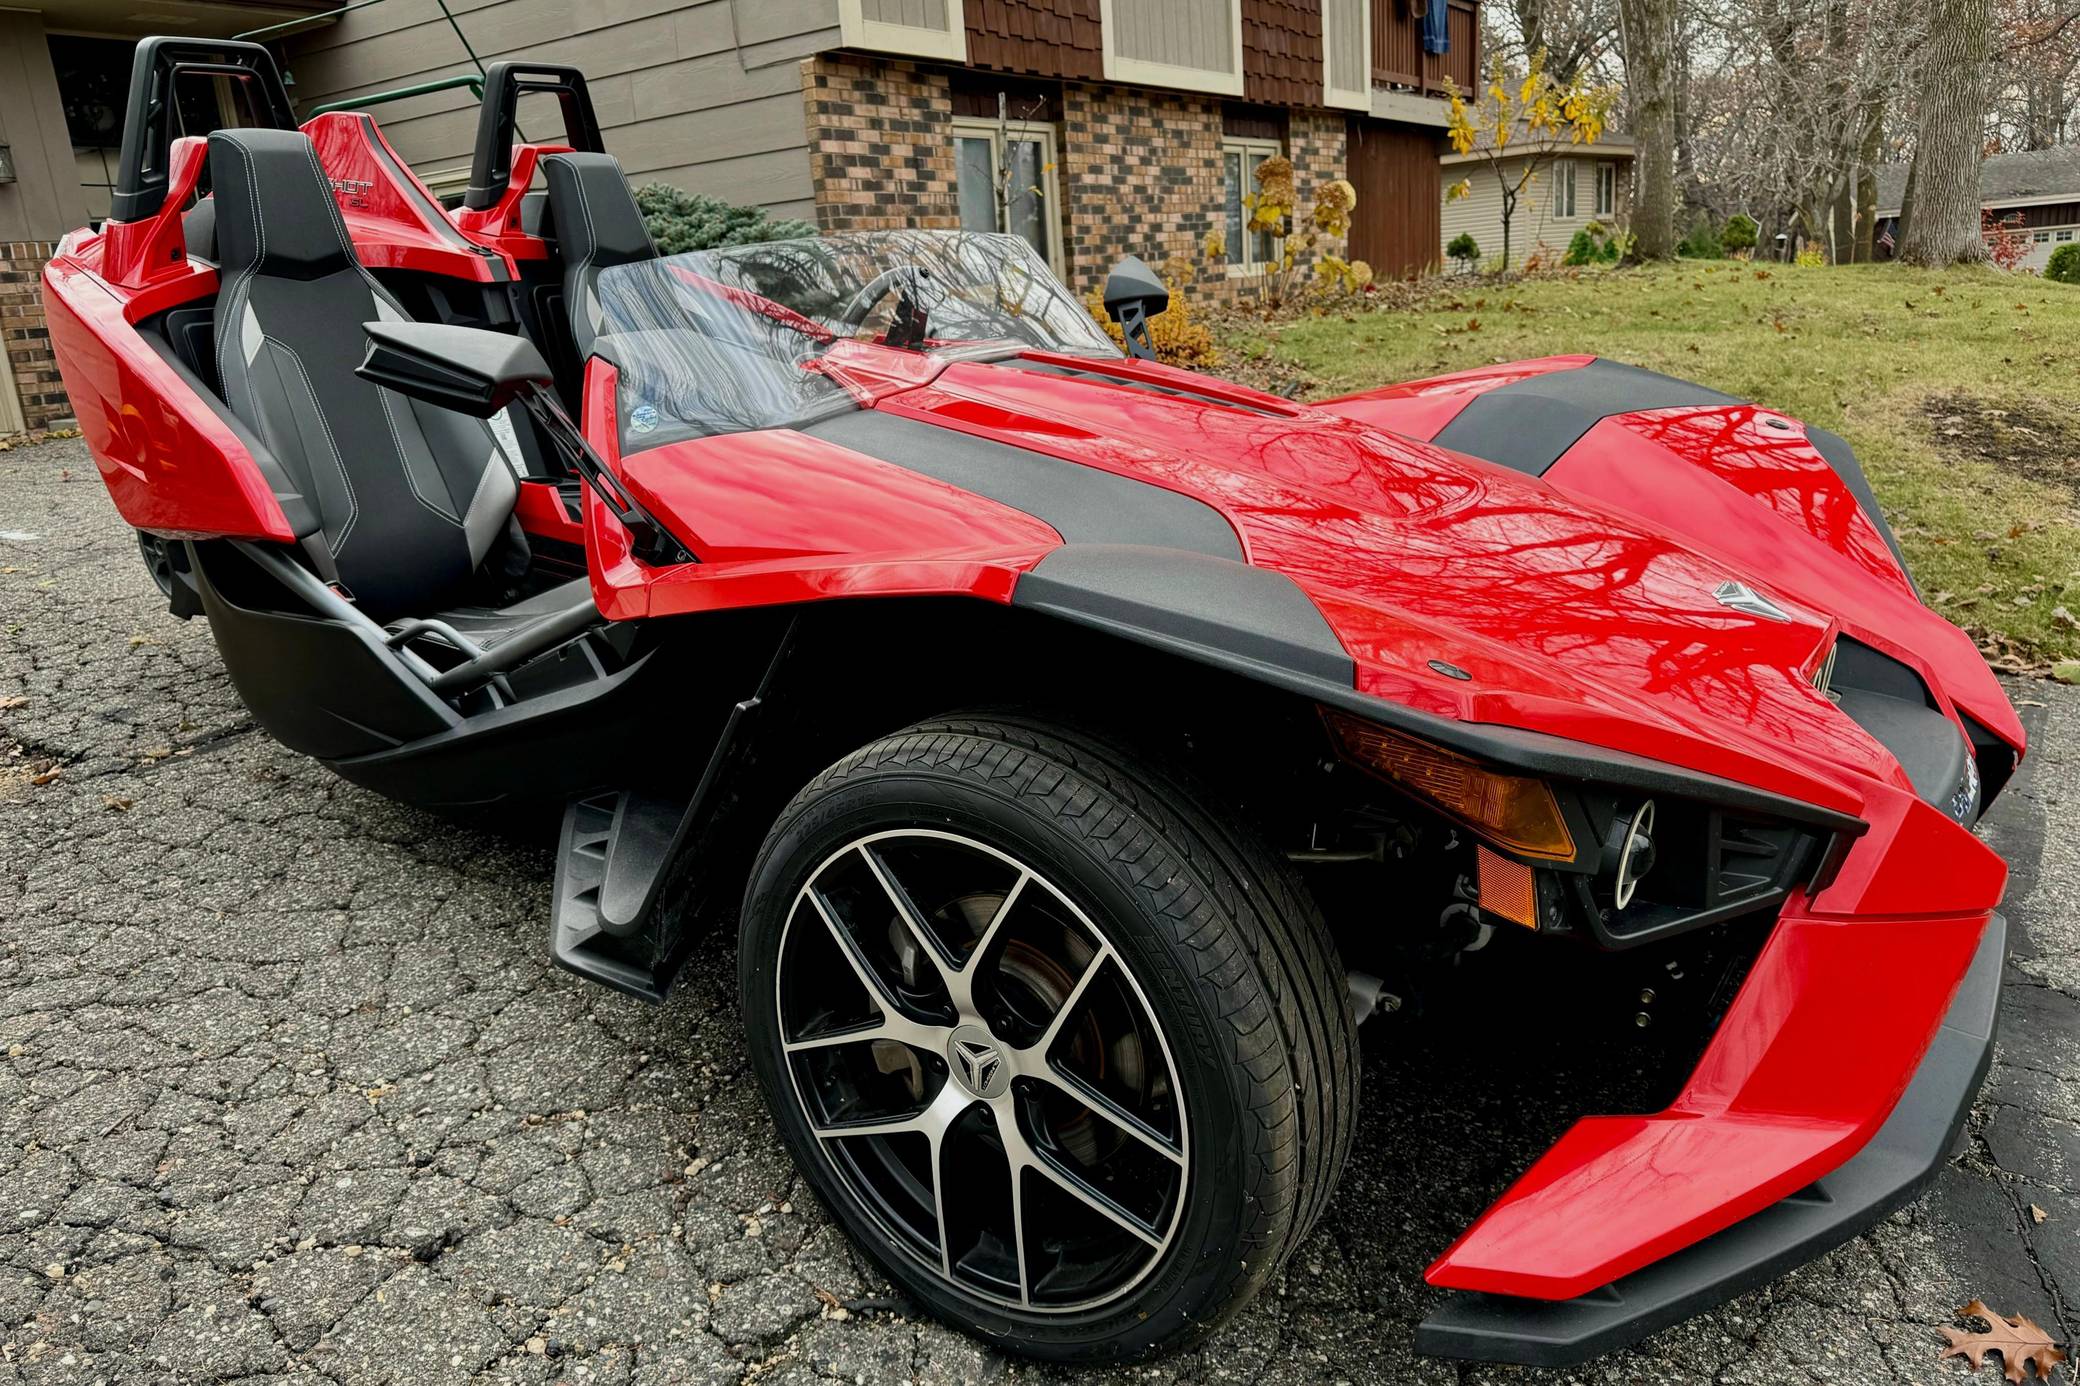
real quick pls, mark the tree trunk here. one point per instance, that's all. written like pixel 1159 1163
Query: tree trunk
pixel 1650 65
pixel 1944 227
pixel 1867 154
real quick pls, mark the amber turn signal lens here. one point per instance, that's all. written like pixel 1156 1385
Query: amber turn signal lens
pixel 1508 889
pixel 1514 812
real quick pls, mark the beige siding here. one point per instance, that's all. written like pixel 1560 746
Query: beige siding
pixel 706 95
pixel 1195 34
pixel 1343 41
pixel 1536 223
pixel 918 14
pixel 44 201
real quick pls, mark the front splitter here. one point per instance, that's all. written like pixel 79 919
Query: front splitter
pixel 1903 1156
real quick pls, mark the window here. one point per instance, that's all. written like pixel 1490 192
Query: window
pixel 1247 251
pixel 2065 235
pixel 1563 189
pixel 1007 183
pixel 1606 190
pixel 2041 237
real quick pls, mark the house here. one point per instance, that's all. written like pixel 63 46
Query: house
pixel 2038 193
pixel 64 74
pixel 1095 128
pixel 1117 126
pixel 1572 186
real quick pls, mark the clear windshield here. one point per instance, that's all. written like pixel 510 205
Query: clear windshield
pixel 722 341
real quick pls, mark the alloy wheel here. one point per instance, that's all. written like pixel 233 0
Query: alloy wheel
pixel 982 1071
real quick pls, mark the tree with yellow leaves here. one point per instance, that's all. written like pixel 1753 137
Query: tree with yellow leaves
pixel 1518 129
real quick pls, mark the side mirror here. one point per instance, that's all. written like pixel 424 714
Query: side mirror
pixel 1134 293
pixel 471 370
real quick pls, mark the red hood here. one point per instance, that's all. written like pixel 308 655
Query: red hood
pixel 1571 617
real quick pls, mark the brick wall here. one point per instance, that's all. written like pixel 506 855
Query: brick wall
pixel 23 334
pixel 880 144
pixel 1320 151
pixel 1139 170
pixel 1140 175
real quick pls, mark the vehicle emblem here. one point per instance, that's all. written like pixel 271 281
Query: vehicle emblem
pixel 1738 596
pixel 977 1062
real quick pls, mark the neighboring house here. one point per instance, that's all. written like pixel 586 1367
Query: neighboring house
pixel 2038 193
pixel 1578 184
pixel 1113 126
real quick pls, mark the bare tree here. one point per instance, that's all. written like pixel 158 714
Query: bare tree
pixel 1650 35
pixel 1942 218
pixel 2036 84
pixel 1788 110
pixel 1573 34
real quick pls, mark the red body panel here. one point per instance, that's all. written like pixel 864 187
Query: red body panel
pixel 394 219
pixel 1814 1052
pixel 778 517
pixel 1420 409
pixel 172 466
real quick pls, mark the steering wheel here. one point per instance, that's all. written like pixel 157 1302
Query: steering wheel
pixel 903 279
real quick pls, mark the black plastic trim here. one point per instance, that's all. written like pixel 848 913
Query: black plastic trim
pixel 1529 424
pixel 1218 606
pixel 1237 624
pixel 1905 1154
pixel 1086 505
pixel 152 118
pixel 491 164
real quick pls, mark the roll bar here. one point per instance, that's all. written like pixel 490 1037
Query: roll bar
pixel 505 82
pixel 151 121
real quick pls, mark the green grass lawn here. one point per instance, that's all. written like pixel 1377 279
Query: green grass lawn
pixel 1959 390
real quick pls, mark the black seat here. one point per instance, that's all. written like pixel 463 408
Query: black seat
pixel 400 503
pixel 598 226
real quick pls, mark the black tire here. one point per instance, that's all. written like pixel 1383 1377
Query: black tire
pixel 1228 951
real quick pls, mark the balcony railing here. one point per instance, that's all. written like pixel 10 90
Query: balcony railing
pixel 1398 59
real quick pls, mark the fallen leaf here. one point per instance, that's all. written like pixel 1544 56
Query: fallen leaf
pixel 2024 1347
pixel 10 704
pixel 2037 1214
pixel 115 803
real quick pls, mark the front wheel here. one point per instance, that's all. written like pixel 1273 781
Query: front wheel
pixel 1066 1051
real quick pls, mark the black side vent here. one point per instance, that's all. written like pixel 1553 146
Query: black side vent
pixel 1752 860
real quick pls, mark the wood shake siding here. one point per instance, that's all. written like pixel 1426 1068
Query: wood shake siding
pixel 1282 52
pixel 707 95
pixel 1039 38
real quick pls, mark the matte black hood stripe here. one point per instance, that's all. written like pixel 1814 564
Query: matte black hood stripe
pixel 1086 505
pixel 1530 424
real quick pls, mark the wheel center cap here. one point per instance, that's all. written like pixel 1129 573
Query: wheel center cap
pixel 977 1063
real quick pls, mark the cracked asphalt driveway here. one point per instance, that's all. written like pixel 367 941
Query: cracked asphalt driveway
pixel 292 1093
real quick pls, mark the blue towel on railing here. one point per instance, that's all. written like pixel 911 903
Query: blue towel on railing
pixel 1437 27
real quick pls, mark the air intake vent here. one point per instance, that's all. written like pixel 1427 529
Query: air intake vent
pixel 1222 399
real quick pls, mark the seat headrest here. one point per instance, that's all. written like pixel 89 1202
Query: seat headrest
pixel 597 222
pixel 276 214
